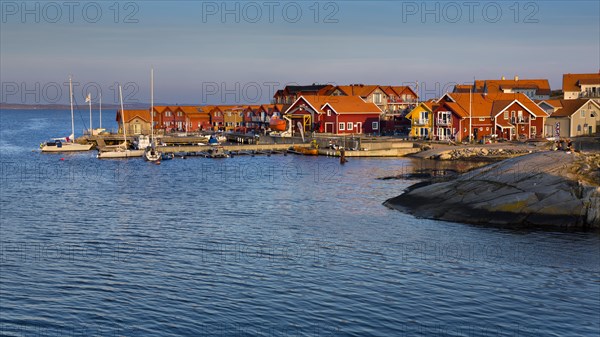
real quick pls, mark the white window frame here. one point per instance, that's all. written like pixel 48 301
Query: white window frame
pixel 349 126
pixel 342 126
pixel 506 115
pixel 375 125
pixel 377 99
pixel 328 112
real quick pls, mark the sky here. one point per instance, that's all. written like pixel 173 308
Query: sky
pixel 239 52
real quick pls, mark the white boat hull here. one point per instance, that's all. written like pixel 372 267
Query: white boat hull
pixel 67 147
pixel 152 155
pixel 120 154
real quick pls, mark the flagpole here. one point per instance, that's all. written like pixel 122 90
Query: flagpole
pixel 470 114
pixel 72 114
pixel 152 105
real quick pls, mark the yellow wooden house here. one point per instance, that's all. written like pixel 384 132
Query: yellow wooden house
pixel 421 118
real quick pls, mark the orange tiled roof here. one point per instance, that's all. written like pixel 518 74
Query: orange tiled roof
pixel 542 86
pixel 358 89
pixel 556 103
pixel 188 109
pixel 482 105
pixel 400 89
pixel 569 107
pixel 350 105
pixel 572 82
pixel 129 115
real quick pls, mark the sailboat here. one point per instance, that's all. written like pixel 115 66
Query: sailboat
pixel 66 144
pixel 121 151
pixel 151 153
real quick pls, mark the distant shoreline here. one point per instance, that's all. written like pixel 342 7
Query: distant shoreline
pixel 10 106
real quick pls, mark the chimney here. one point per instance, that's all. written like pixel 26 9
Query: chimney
pixel 516 77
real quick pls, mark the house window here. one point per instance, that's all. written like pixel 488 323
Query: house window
pixel 582 113
pixel 349 126
pixel 168 113
pixel 375 126
pixel 578 128
pixel 179 113
pixel 487 128
pixel 505 114
pixel 328 112
pixel 377 98
pixel 444 117
pixel 481 119
pixel 342 126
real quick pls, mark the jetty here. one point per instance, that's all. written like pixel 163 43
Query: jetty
pixel 254 144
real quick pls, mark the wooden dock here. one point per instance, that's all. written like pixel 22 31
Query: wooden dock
pixel 247 145
pixel 236 149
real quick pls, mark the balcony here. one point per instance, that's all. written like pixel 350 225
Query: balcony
pixel 398 100
pixel 589 94
pixel 444 122
pixel 519 120
pixel 421 121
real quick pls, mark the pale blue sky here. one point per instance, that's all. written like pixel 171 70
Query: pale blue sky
pixel 385 42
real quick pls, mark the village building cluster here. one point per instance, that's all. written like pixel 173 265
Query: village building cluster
pixel 486 109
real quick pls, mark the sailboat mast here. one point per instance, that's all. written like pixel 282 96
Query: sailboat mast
pixel 100 93
pixel 90 101
pixel 122 115
pixel 72 114
pixel 152 104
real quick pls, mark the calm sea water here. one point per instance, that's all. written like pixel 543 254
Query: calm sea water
pixel 268 246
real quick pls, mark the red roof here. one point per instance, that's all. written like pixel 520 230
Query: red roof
pixel 131 114
pixel 573 82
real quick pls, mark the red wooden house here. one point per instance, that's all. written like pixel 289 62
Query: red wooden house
pixel 336 114
pixel 516 116
pixel 249 121
pixel 170 118
pixel 479 115
pixel 195 118
pixel 217 118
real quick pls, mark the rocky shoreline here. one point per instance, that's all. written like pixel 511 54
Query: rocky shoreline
pixel 551 189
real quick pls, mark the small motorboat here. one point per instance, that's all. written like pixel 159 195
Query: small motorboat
pixel 217 152
pixel 304 150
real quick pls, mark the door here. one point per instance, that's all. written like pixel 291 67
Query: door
pixel 359 127
pixel 137 129
pixel 591 130
pixel 328 127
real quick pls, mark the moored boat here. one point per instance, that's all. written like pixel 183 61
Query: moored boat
pixel 151 152
pixel 121 151
pixel 304 150
pixel 66 144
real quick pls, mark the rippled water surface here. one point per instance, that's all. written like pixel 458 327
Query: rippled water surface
pixel 271 246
